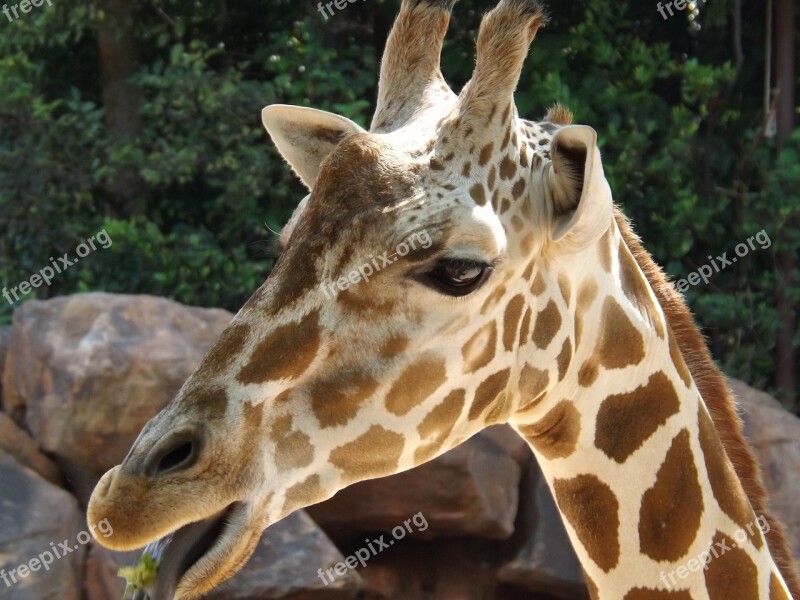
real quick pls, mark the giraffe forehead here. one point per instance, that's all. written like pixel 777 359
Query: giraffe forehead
pixel 364 171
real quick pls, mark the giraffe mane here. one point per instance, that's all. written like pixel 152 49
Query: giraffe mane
pixel 717 396
pixel 559 114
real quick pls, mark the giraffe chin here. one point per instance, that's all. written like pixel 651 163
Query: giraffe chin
pixel 201 555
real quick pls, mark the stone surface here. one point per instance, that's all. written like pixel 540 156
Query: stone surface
pixel 510 441
pixel 284 565
pixel 23 448
pixel 546 563
pixel 470 490
pixel 87 371
pixel 774 434
pixel 36 516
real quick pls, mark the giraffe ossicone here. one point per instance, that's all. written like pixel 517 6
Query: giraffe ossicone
pixel 533 304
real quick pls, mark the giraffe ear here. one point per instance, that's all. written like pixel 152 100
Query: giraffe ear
pixel 582 207
pixel 305 136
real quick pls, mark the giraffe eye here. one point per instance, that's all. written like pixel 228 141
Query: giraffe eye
pixel 456 277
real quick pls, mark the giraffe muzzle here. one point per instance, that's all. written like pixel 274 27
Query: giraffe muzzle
pixel 204 546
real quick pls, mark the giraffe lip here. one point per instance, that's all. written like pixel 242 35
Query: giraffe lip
pixel 182 550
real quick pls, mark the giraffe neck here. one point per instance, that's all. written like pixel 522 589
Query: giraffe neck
pixel 647 493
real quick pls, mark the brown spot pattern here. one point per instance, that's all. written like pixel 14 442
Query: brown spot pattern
pixel 592 510
pixel 637 290
pixel 366 306
pixel 564 358
pixel 211 401
pixel 586 296
pixel 480 348
pixel 532 382
pixel 492 178
pixel 588 372
pixel 438 424
pixel 286 353
pixel 393 346
pixel 488 391
pixel 511 321
pixel 508 168
pixel 486 154
pixel 565 288
pixel 303 494
pixel 493 298
pixel 776 590
pixel 625 421
pixel 555 435
pixel 678 361
pixel 538 286
pixel 228 346
pixel 731 574
pixel 620 344
pixel 478 194
pixel 372 454
pixel 724 482
pixel 519 188
pixel 548 322
pixel 293 449
pixel 337 398
pixel 669 517
pixel 418 381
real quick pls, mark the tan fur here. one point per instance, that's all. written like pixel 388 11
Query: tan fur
pixel 717 396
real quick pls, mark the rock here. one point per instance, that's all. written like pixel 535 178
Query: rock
pixel 774 434
pixel 86 372
pixel 510 441
pixel 284 565
pixel 470 490
pixel 22 447
pixel 546 563
pixel 36 517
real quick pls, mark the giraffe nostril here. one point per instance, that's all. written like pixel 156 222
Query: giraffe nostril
pixel 176 455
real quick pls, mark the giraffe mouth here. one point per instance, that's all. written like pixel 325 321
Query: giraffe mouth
pixel 193 554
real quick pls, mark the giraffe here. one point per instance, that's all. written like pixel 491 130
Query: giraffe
pixel 534 305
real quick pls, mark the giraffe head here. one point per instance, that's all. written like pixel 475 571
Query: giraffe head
pixel 390 328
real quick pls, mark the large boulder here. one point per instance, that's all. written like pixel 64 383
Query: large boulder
pixel 470 490
pixel 774 434
pixel 42 537
pixel 86 372
pixel 284 565
pixel 23 448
